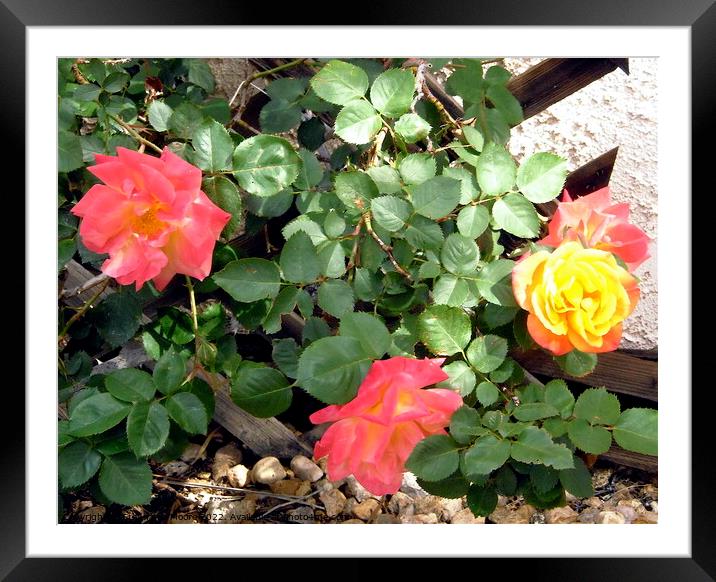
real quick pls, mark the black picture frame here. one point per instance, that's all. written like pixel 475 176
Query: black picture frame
pixel 700 16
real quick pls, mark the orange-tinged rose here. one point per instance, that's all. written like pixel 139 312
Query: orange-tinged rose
pixel 576 298
pixel 599 224
pixel 373 435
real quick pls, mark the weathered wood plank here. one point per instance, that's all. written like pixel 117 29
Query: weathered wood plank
pixel 552 80
pixel 629 459
pixel 618 372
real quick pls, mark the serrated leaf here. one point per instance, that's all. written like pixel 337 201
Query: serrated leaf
pixel 412 128
pixel 392 92
pixel 96 414
pixel 213 147
pixel 494 281
pixel 417 168
pixel 390 212
pixel 578 481
pixel 472 221
pixel 188 411
pixel 69 151
pixel 77 462
pixel 423 233
pixel 637 430
pixel 355 190
pixel 126 480
pixel 434 458
pixel 261 391
pixel 528 411
pixel 591 439
pixel 597 406
pixel 543 479
pixel 515 214
pixel 222 192
pixel 285 353
pixel 147 428
pixel 487 393
pixel 357 122
pixel 332 368
pixel 159 114
pixel 558 395
pixel 450 290
pixel 481 500
pixel 506 481
pixel 535 446
pixel 452 487
pixel 368 330
pixel 279 115
pixel 169 372
pixel 249 280
pixel 506 103
pixel 117 318
pixel 487 454
pixel 299 259
pixel 462 378
pixel 444 330
pixel 436 197
pixel 339 82
pixel 487 352
pixel 130 385
pixel 496 170
pixel 541 177
pixel 386 178
pixel 577 363
pixel 459 254
pixel 335 297
pixel 465 425
pixel 265 164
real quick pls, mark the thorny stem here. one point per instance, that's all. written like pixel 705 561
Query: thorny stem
pixel 194 321
pixel 245 125
pixel 388 250
pixel 260 74
pixel 130 130
pixel 82 311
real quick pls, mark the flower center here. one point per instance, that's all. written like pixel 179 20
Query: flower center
pixel 148 224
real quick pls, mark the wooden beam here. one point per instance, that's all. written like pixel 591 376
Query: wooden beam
pixel 617 372
pixel 629 459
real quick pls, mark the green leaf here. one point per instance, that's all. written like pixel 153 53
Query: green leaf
pixel 200 74
pixel 332 258
pixel 482 500
pixel 126 480
pixel 558 395
pixel 332 368
pixel 334 225
pixel 487 454
pixel 311 172
pixel 386 178
pixel 169 372
pixel 416 168
pixel 556 427
pixel 314 329
pixel 466 80
pixel 304 224
pixel 591 439
pixel 185 120
pixel 541 177
pixel 423 233
pixel 69 151
pixel 284 303
pixel 97 414
pixel 222 192
pixel 130 385
pixel 577 363
pixel 496 170
pixel 506 103
pixel 357 122
pixel 450 290
pixel 637 430
pixel 528 411
pixel 462 378
pixel 355 190
pixel 312 133
pixel 390 212
pixel 597 406
pixel 261 391
pixel 187 410
pixel 487 393
pixel 77 462
pixel 279 115
pixel 542 478
pixel 299 259
pixel 578 481
pixel 497 127
pixel 369 331
pixel 494 281
pixel 272 206
pixel 459 254
pixel 472 221
pixel 249 280
pixel 213 147
pixel 469 190
pixel 487 352
pixel 496 75
pixel 405 337
pixel 515 214
pixel 265 164
pixel 147 428
pixel 465 425
pixel 412 128
pixel 434 458
pixel 535 446
pixel 392 92
pixel 65 251
pixel 286 88
pixel 117 318
pixel 453 487
pixel 506 481
pixel 436 197
pixel 335 297
pixel 339 82
pixel 285 354
pixel 159 114
pixel 444 330
pixel 474 137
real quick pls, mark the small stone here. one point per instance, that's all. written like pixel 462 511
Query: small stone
pixel 351 502
pixel 537 518
pixel 466 516
pixel 324 485
pixel 411 487
pixel 450 507
pixel 386 518
pixel 226 457
pixel 78 506
pixel 333 500
pixel 424 518
pixel 502 500
pixel 239 476
pixel 651 491
pixel 367 509
pixel 291 487
pixel 92 514
pixel 594 502
pixel 428 504
pixel 610 517
pixel 305 469
pixel 655 506
pixel 646 517
pixel 628 513
pixel 560 515
pixel 175 468
pixel 322 463
pixel 192 453
pixel 353 521
pixel 401 504
pixel 589 515
pixel 357 490
pixel 239 511
pixel 601 477
pixel 268 470
pixel 303 514
pixel 570 498
pixel 506 515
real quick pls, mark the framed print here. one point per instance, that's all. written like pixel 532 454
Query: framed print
pixel 295 262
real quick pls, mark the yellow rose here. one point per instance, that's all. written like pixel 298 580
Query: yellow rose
pixel 576 298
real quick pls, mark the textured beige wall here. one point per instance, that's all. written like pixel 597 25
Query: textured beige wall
pixel 616 110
